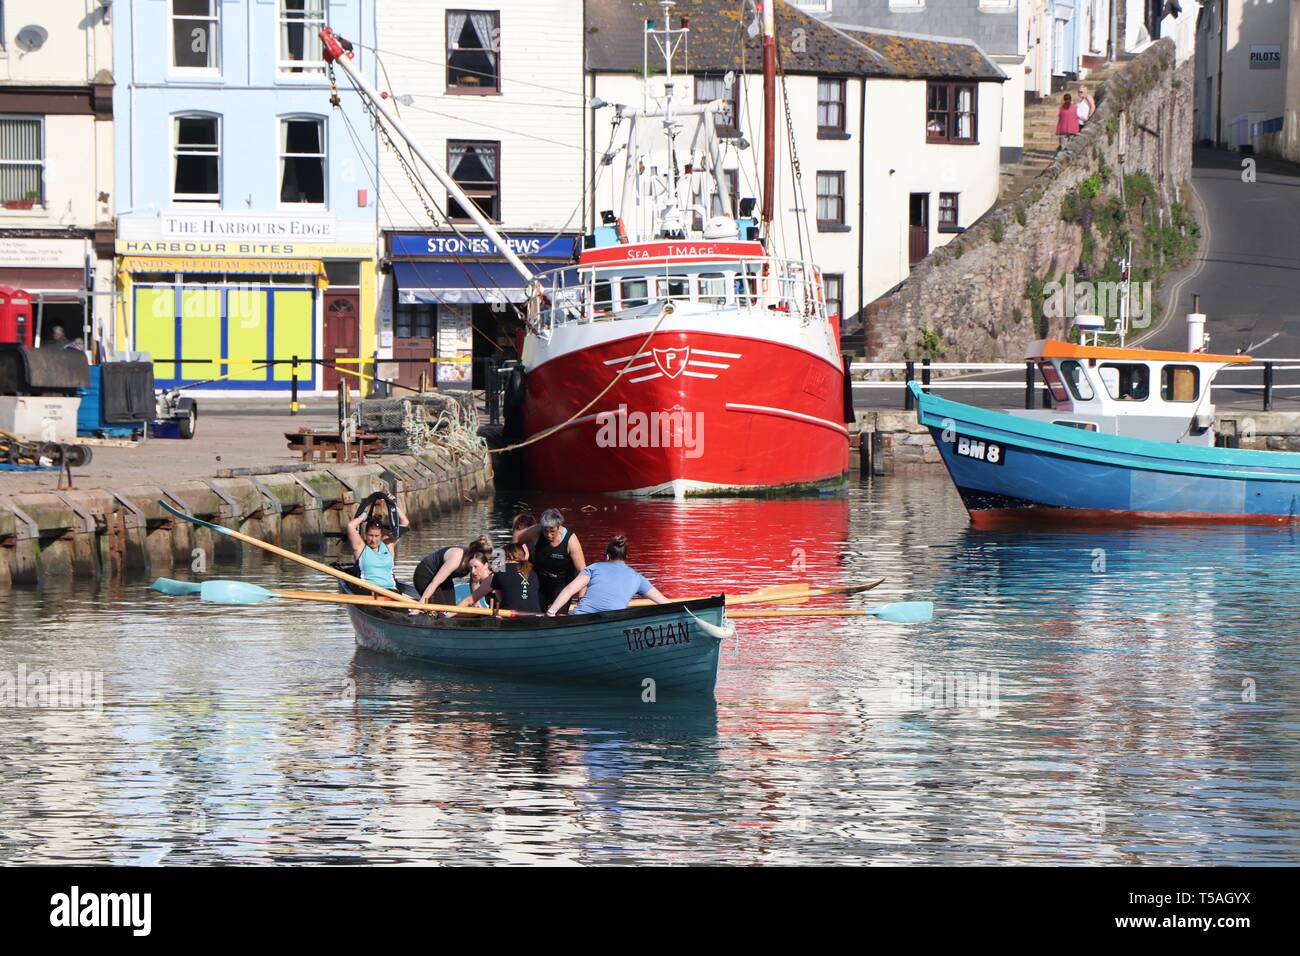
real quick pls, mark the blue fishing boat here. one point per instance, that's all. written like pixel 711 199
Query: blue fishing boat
pixel 674 645
pixel 1129 440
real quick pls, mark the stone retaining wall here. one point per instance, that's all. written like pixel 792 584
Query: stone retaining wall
pixel 97 533
pixel 972 295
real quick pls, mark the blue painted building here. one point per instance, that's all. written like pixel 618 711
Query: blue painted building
pixel 247 203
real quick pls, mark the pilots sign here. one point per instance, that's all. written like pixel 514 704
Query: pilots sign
pixel 1266 57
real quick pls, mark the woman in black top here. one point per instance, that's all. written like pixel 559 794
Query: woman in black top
pixel 516 587
pixel 556 553
pixel 435 575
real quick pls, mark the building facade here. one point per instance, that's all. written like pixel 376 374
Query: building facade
pixel 897 137
pixel 1242 54
pixel 494 93
pixel 56 163
pixel 246 201
pixel 999 28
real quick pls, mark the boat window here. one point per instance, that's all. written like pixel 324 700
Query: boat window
pixel 1126 382
pixel 1179 383
pixel 713 288
pixel 1077 379
pixel 1053 381
pixel 634 292
pixel 1082 426
pixel 603 299
pixel 672 287
pixel 746 284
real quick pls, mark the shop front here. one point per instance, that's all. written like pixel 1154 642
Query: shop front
pixel 233 315
pixel 455 299
pixel 58 275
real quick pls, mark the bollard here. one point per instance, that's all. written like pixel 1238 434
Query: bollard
pixel 1029 384
pixel 908 376
pixel 1268 386
pixel 293 387
pixel 925 375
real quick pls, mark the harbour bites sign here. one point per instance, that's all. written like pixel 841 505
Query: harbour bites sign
pixel 1265 56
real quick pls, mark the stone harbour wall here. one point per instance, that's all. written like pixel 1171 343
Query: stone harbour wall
pixel 96 533
pixel 970 300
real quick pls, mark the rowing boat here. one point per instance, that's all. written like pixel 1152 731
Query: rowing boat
pixel 642 650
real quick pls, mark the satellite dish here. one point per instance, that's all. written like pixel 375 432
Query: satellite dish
pixel 31 38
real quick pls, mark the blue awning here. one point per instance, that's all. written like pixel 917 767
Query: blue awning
pixel 424 283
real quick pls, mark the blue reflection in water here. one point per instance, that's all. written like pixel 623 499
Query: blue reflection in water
pixel 1116 696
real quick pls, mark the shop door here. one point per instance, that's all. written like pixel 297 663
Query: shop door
pixel 413 331
pixel 342 338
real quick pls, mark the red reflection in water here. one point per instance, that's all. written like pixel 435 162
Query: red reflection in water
pixel 704 546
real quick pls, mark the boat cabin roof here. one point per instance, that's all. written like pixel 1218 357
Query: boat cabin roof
pixel 1055 349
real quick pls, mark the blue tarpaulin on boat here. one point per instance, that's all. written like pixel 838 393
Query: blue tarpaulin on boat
pixel 425 283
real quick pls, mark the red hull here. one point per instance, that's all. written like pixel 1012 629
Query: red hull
pixel 771 417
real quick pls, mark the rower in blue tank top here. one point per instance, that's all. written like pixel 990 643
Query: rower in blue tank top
pixel 373 554
pixel 611 584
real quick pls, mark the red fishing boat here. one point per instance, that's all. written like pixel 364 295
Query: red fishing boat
pixel 678 355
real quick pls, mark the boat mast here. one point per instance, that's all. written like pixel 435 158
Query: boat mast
pixel 768 8
pixel 669 40
pixel 338 51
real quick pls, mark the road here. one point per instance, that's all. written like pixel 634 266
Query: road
pixel 1247 272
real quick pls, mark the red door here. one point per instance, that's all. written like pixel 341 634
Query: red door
pixel 342 338
pixel 415 327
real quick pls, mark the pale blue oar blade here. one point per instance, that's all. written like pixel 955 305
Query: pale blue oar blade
pixel 234 592
pixel 175 588
pixel 905 612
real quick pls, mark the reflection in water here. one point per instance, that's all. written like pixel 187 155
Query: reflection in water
pixel 1145 709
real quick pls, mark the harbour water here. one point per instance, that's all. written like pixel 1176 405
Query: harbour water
pixel 1080 697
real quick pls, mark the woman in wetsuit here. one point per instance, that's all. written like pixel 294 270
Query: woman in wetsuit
pixel 435 575
pixel 556 553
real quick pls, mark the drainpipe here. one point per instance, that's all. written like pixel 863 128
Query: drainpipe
pixel 862 193
pixel 1218 93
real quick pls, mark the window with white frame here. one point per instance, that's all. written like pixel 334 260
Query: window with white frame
pixel 195 34
pixel 300 47
pixel 302 160
pixel 196 147
pixel 22 158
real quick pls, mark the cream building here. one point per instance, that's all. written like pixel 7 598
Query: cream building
pixel 56 161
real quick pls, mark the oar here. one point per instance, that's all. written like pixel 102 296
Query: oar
pixel 847 588
pixel 245 593
pixel 175 588
pixel 777 593
pixel 904 612
pixel 282 552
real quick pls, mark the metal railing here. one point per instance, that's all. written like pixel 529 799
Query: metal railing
pixel 567 295
pixel 1268 368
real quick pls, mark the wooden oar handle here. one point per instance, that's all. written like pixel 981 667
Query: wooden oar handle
pixel 365 601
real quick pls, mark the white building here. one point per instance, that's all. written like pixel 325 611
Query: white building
pixel 897 136
pixel 56 161
pixel 494 92
pixel 1242 59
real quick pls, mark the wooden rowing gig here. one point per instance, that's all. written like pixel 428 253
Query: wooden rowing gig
pixel 677 646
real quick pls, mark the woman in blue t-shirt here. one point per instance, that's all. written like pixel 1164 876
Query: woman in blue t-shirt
pixel 610 584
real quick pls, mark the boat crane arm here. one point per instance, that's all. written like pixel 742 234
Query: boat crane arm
pixel 339 51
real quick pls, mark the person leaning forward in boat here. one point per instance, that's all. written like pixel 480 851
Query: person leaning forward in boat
pixel 556 553
pixel 611 584
pixel 435 575
pixel 375 555
pixel 516 587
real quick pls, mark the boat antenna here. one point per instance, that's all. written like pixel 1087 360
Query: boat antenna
pixel 668 41
pixel 768 10
pixel 338 52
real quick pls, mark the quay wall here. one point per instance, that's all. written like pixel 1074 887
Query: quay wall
pixel 91 534
pixel 894 443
